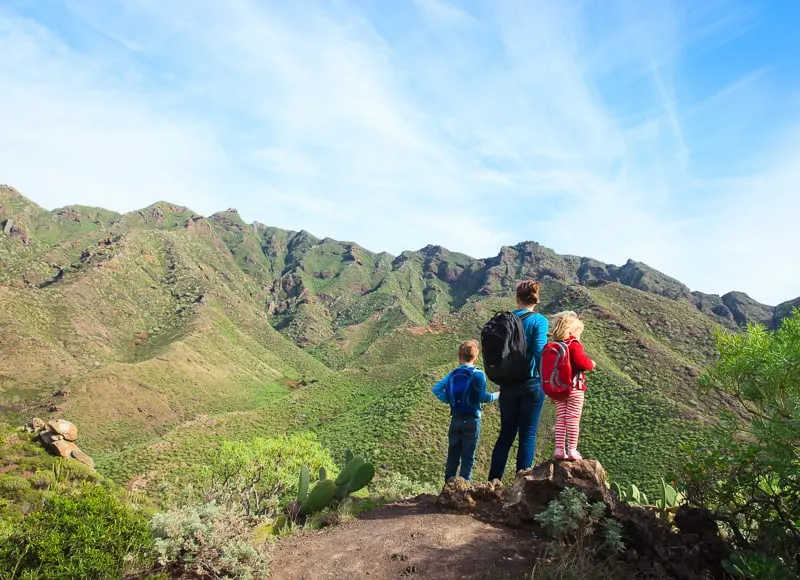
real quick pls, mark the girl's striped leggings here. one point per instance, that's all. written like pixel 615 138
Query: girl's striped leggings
pixel 568 421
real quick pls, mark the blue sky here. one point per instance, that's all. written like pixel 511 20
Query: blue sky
pixel 666 132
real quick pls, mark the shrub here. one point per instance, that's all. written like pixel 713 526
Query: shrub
pixel 582 532
pixel 398 486
pixel 262 473
pixel 208 540
pixel 43 479
pixel 89 533
pixel 13 483
pixel 749 477
pixel 756 566
pixel 571 517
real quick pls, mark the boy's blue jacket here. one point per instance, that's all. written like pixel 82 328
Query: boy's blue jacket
pixel 440 388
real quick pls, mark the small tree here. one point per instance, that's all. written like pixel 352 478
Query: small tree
pixel 749 476
pixel 261 473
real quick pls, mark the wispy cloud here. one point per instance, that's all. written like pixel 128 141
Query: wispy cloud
pixel 587 127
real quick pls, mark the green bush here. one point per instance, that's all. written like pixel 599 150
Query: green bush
pixel 261 474
pixel 571 517
pixel 756 566
pixel 398 486
pixel 208 541
pixel 749 476
pixel 43 479
pixel 585 538
pixel 12 483
pixel 89 533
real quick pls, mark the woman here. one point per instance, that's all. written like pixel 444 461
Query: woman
pixel 521 403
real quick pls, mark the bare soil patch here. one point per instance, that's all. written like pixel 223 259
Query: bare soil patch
pixel 409 539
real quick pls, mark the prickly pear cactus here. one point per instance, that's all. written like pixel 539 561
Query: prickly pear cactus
pixel 634 496
pixel 319 497
pixel 669 495
pixel 362 477
pixel 305 480
pixel 350 470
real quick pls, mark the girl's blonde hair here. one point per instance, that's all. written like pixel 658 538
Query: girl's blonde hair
pixel 565 324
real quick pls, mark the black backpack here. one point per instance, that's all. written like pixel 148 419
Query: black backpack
pixel 505 350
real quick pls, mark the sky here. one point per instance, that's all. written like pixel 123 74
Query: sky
pixel 665 132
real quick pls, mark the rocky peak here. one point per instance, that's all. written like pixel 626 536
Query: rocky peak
pixel 744 309
pixel 640 275
pixel 8 191
pixel 784 310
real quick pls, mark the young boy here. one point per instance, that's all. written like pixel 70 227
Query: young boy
pixel 464 389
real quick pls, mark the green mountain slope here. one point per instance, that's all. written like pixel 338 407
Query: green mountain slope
pixel 160 332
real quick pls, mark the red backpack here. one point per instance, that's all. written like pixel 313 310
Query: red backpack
pixel 557 377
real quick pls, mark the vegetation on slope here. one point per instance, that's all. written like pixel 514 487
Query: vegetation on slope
pixel 60 519
pixel 162 332
pixel 749 476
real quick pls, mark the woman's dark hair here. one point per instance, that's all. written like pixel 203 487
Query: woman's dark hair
pixel 528 292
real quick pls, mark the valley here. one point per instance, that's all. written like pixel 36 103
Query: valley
pixel 161 333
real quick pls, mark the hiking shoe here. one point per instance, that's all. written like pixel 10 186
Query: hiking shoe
pixel 573 455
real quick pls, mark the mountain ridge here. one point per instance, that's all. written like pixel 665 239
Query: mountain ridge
pixel 162 332
pixel 732 308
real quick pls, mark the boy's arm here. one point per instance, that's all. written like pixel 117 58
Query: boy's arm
pixel 486 397
pixel 440 390
pixel 580 361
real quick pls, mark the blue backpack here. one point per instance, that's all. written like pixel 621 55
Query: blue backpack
pixel 463 392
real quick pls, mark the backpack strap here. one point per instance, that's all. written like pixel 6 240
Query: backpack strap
pixel 528 314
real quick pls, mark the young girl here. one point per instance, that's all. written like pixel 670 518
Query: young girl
pixel 567 327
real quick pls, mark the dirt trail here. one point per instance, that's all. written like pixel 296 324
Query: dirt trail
pixel 410 539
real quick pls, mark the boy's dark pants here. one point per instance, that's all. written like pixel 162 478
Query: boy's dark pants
pixel 463 439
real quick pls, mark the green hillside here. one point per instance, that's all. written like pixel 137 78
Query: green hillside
pixel 162 332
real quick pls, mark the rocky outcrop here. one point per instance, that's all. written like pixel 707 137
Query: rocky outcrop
pixel 691 550
pixel 460 495
pixel 746 310
pixel 535 488
pixel 60 438
pixel 15 230
pixel 784 310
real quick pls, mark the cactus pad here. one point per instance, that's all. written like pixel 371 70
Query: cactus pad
pixel 362 477
pixel 305 479
pixel 350 470
pixel 319 498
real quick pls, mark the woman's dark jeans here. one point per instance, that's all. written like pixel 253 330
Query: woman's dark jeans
pixel 520 409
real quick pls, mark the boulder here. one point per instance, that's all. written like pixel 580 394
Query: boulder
pixel 535 488
pixel 59 437
pixel 64 448
pixel 68 430
pixel 79 455
pixel 458 494
pixel 36 425
pixel 48 437
pixel 695 553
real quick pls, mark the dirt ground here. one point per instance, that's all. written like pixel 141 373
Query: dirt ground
pixel 410 539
